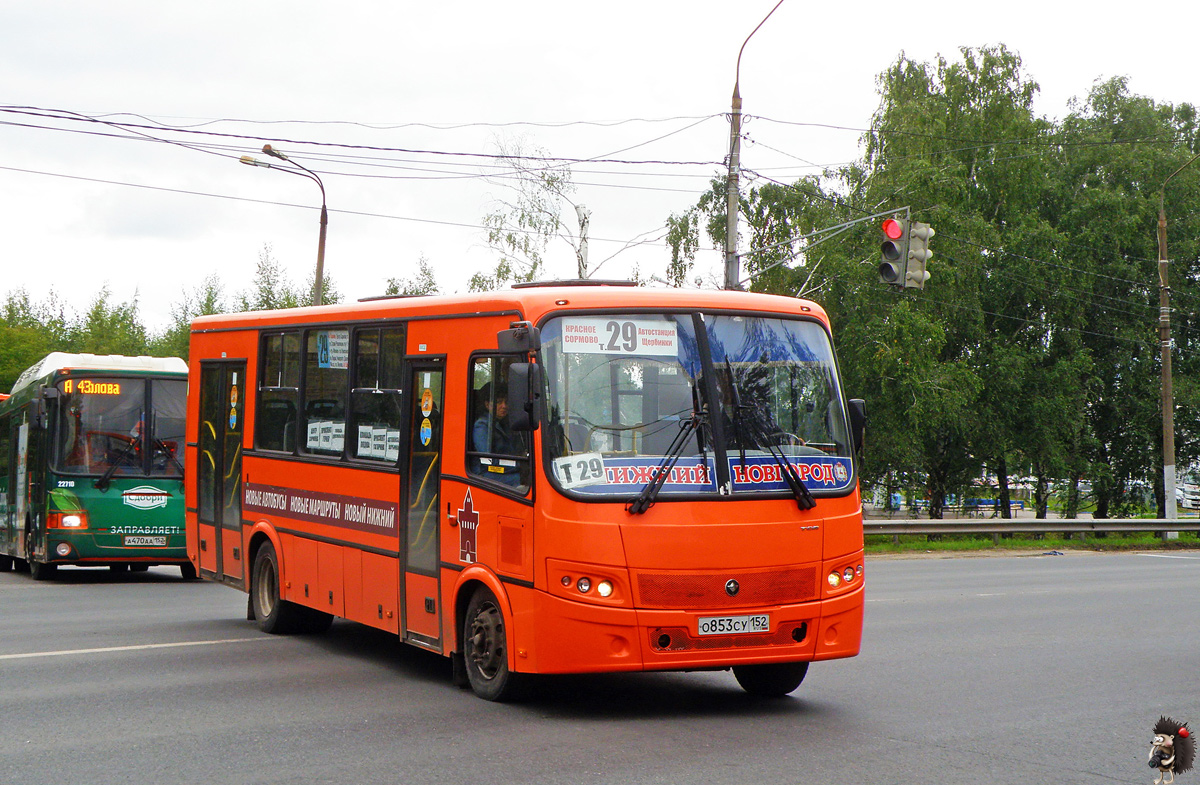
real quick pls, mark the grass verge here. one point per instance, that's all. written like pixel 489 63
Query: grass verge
pixel 915 543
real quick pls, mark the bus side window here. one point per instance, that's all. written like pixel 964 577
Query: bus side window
pixel 326 387
pixel 278 390
pixel 375 414
pixel 494 451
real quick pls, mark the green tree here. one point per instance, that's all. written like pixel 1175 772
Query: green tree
pixel 206 299
pixel 107 328
pixel 520 228
pixel 422 282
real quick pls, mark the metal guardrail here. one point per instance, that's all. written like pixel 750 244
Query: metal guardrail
pixel 898 526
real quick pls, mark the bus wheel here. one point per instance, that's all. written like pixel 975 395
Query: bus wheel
pixel 485 649
pixel 118 568
pixel 20 565
pixel 275 615
pixel 40 571
pixel 6 563
pixel 139 568
pixel 770 681
pixel 313 621
pixel 188 571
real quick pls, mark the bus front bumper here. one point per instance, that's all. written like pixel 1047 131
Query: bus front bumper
pixel 564 636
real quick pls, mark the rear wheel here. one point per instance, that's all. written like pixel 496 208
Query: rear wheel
pixel 485 649
pixel 42 571
pixel 274 615
pixel 6 563
pixel 770 681
pixel 139 568
pixel 188 571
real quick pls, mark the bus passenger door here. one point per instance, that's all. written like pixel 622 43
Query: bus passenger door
pixel 421 497
pixel 219 475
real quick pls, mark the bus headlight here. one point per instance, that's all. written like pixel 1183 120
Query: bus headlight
pixel 835 579
pixel 604 589
pixel 63 549
pixel 67 520
pixel 584 585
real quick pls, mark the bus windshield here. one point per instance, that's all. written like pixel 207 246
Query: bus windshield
pixel 124 426
pixel 623 387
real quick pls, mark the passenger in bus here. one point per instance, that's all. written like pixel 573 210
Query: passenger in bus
pixel 491 435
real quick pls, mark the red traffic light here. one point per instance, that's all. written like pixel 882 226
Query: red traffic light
pixel 892 228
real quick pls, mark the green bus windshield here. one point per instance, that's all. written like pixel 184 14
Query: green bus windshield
pixel 126 426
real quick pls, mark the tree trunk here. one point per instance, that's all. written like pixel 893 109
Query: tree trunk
pixel 1005 498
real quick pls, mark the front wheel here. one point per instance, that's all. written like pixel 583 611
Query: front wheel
pixel 770 681
pixel 42 571
pixel 485 649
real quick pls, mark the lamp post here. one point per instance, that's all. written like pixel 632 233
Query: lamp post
pixel 1164 337
pixel 732 272
pixel 318 284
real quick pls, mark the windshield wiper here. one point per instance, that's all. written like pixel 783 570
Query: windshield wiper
pixel 645 500
pixel 106 478
pixel 159 444
pixel 753 423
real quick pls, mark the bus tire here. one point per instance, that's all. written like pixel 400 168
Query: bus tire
pixel 6 563
pixel 275 616
pixel 314 622
pixel 20 565
pixel 771 681
pixel 40 571
pixel 188 571
pixel 139 568
pixel 485 649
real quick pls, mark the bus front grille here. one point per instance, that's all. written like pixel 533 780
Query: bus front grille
pixel 674 639
pixel 713 589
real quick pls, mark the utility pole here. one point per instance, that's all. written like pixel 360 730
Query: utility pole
pixel 1168 397
pixel 1164 337
pixel 581 253
pixel 732 272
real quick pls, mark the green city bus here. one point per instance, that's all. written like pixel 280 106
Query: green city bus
pixel 91 473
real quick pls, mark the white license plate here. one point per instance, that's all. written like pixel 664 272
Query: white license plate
pixel 733 625
pixel 132 541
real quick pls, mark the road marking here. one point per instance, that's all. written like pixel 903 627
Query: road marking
pixel 1169 556
pixel 142 647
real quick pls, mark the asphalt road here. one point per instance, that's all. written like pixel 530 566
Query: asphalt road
pixel 996 670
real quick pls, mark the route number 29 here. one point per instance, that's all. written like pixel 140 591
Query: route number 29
pixel 578 470
pixel 622 336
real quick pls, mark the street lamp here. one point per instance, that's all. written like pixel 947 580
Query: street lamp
pixel 318 284
pixel 1164 337
pixel 732 273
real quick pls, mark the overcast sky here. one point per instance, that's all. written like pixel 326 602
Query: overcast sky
pixel 85 205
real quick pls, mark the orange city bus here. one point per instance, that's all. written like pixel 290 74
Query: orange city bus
pixel 555 478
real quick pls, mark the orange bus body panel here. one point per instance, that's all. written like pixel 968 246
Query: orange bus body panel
pixel 527 550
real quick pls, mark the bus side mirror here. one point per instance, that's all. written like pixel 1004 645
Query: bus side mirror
pixel 524 396
pixel 858 422
pixel 37 408
pixel 522 337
